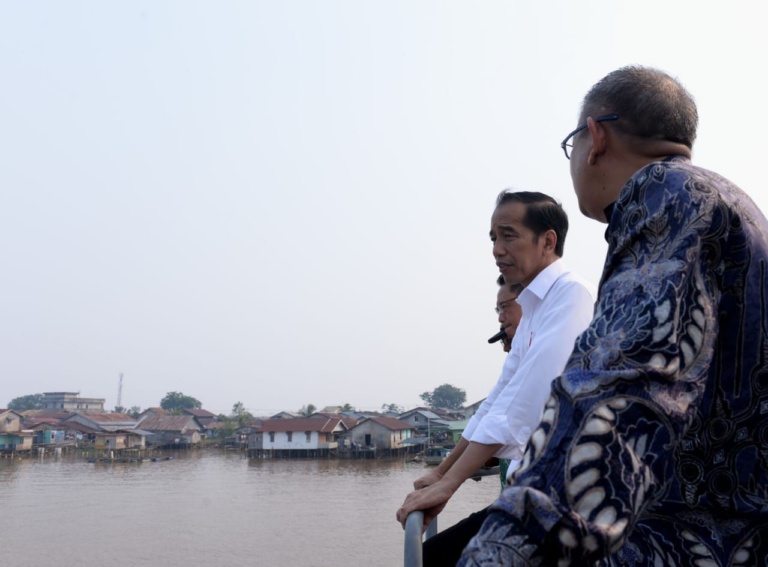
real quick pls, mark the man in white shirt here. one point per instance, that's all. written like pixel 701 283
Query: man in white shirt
pixel 528 232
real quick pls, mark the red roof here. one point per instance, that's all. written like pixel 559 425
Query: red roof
pixel 321 424
pixel 392 423
pixel 106 418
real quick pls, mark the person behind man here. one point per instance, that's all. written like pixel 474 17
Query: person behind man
pixel 528 233
pixel 652 449
pixel 508 311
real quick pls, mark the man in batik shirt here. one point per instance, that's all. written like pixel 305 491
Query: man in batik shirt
pixel 653 449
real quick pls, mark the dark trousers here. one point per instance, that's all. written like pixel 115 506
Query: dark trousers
pixel 444 548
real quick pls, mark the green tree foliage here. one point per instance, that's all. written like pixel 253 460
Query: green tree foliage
pixel 391 408
pixel 32 401
pixel 347 407
pixel 308 409
pixel 445 396
pixel 241 415
pixel 134 411
pixel 174 402
pixel 119 409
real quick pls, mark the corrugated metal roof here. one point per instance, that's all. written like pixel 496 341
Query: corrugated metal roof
pixel 54 413
pixel 166 422
pixel 392 423
pixel 199 412
pixel 73 425
pixel 107 418
pixel 139 432
pixel 35 421
pixel 425 412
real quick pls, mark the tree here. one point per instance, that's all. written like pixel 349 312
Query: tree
pixel 445 396
pixel 32 401
pixel 119 409
pixel 308 409
pixel 240 414
pixel 134 411
pixel 347 407
pixel 174 402
pixel 391 408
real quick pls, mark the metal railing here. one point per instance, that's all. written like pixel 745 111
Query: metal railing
pixel 413 524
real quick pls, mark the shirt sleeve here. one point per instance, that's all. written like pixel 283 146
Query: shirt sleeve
pixel 510 365
pixel 517 409
pixel 603 449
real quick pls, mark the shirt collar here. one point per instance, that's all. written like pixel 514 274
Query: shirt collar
pixel 608 211
pixel 541 284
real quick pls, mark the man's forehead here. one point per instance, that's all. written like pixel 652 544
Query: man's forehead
pixel 504 294
pixel 511 213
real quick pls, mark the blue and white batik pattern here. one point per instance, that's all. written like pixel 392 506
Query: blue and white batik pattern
pixel 653 448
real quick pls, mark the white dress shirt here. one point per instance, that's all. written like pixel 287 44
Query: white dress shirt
pixel 557 306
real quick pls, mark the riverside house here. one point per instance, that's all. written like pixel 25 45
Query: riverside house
pixel 171 430
pixel 424 420
pixel 209 427
pixel 101 421
pixel 378 437
pixel 12 436
pixel 130 439
pixel 297 437
pixel 204 417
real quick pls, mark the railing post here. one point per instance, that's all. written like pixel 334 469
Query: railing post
pixel 413 524
pixel 413 553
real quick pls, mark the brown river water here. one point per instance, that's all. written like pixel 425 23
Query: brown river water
pixel 212 508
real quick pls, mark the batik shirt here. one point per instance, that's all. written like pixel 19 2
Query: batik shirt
pixel 653 448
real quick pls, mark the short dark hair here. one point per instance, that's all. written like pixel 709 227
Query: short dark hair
pixel 542 213
pixel 650 104
pixel 515 288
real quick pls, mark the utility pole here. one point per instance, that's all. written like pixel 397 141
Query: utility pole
pixel 120 391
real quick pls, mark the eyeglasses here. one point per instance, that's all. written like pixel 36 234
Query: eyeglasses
pixel 503 306
pixel 567 147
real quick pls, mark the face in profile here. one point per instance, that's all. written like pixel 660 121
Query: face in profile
pixel 586 182
pixel 520 254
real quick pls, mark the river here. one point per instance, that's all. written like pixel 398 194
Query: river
pixel 213 508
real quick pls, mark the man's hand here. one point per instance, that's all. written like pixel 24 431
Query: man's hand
pixel 431 500
pixel 427 480
pixel 457 467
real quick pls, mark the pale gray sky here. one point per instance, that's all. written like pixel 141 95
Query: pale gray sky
pixel 284 203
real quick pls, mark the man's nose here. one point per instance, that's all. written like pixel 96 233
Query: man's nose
pixel 498 249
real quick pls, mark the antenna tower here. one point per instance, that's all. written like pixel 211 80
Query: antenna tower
pixel 120 391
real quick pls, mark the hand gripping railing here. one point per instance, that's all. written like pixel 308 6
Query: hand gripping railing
pixel 413 524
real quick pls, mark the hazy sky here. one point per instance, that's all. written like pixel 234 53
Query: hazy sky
pixel 288 202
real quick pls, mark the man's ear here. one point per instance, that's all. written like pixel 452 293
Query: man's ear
pixel 599 138
pixel 550 240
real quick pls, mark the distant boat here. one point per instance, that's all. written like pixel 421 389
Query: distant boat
pixel 435 456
